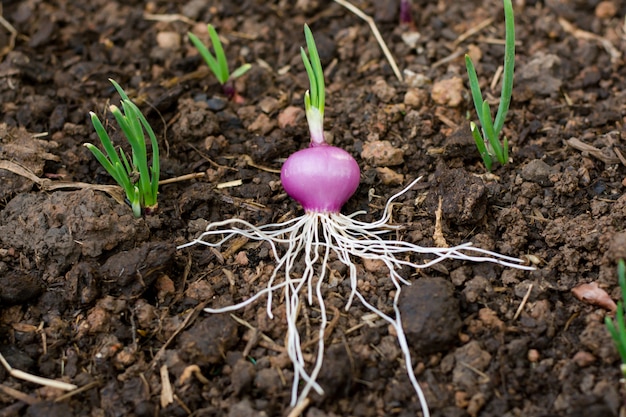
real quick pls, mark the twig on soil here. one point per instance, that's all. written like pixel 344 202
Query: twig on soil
pixel 16 373
pixel 167 393
pixel 168 18
pixel 484 377
pixel 192 370
pixel 471 32
pixel 454 55
pixel 615 54
pixel 12 37
pixel 266 341
pixel 209 160
pixel 456 51
pixel 440 240
pixel 77 391
pixel 253 164
pixel 376 33
pixel 523 303
pixel 48 185
pixel 593 151
pixel 299 408
pixel 19 395
pixel 181 178
pixel 191 316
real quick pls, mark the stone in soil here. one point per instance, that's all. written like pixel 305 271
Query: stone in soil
pixel 208 340
pixel 430 314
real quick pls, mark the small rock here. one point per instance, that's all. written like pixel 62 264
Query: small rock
pixel 605 10
pixel 415 79
pixel 387 12
pixel 168 40
pixel 415 97
pixel 268 381
pixel 290 116
pixel 583 359
pixel 476 403
pixel 243 375
pixel 464 197
pixel 617 246
pixel 244 409
pixel 262 124
pixel 490 318
pixel 537 171
pixel 475 288
pixel 411 38
pixel 18 288
pixel 383 91
pixel 430 314
pixel 199 290
pixel 540 76
pixel 448 92
pixel 136 270
pixel 533 355
pixel 268 105
pixel 382 153
pixel 460 399
pixel 373 265
pixel 49 409
pixel 216 104
pixel 208 340
pixel 597 340
pixel 164 286
pixel 389 177
pixel 337 374
pixel 465 377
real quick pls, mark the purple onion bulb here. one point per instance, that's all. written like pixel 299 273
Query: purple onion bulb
pixel 320 178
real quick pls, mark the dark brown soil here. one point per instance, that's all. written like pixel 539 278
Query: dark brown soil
pixel 94 297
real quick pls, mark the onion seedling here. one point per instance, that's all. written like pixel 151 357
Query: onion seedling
pixel 217 63
pixel 617 326
pixel 322 178
pixel 140 183
pixel 488 143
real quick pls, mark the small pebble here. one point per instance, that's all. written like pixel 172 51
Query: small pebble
pixel 389 177
pixel 537 171
pixel 290 116
pixel 448 92
pixel 583 358
pixel 216 104
pixel 383 91
pixel 605 10
pixel 168 40
pixel 382 153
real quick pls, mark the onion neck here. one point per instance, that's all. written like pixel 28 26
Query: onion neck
pixel 315 119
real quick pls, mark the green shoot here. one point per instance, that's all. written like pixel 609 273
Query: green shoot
pixel 315 96
pixel 488 142
pixel 617 326
pixel 217 63
pixel 139 182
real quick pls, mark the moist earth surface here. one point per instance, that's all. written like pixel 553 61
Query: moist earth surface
pixel 95 297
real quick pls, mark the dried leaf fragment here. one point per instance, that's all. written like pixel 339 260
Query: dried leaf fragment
pixel 592 294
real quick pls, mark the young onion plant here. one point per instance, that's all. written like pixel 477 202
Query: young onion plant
pixel 139 182
pixel 322 178
pixel 217 63
pixel 488 143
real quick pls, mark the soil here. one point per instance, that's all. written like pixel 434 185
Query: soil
pixel 95 297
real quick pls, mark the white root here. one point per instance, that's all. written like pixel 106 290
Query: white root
pixel 347 238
